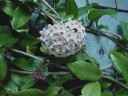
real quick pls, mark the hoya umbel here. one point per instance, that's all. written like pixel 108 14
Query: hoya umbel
pixel 63 39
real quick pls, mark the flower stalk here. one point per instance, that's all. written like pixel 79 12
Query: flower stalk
pixel 46 73
pixel 26 54
pixel 51 8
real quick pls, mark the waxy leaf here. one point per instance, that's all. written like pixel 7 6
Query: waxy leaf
pixel 91 89
pixel 21 16
pixel 85 71
pixel 6 37
pixel 121 63
pixel 3 66
pixel 28 40
pixel 124 26
pixel 9 7
pixel 95 14
pixel 53 90
pixel 29 92
pixel 121 92
pixel 71 8
pixel 26 64
pixel 106 94
pixel 10 86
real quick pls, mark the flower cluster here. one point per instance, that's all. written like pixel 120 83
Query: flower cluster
pixel 63 39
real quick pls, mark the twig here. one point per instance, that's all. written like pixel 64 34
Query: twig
pixel 104 7
pixel 26 54
pixel 47 73
pixel 115 81
pixel 51 8
pixel 103 34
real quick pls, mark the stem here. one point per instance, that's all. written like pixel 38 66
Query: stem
pixel 111 38
pixel 106 67
pixel 45 12
pixel 51 8
pixel 52 19
pixel 115 81
pixel 26 54
pixel 104 7
pixel 47 73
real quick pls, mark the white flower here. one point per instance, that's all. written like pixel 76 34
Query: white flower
pixel 63 39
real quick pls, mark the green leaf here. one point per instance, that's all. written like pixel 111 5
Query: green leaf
pixel 29 92
pixel 23 29
pixel 44 50
pixel 6 37
pixel 121 63
pixel 71 8
pixel 106 94
pixel 28 84
pixel 59 80
pixel 3 66
pixel 9 7
pixel 66 92
pixel 61 11
pixel 85 71
pixel 3 93
pixel 82 11
pixel 121 92
pixel 21 16
pixel 105 84
pixel 28 40
pixel 23 81
pixel 91 89
pixel 95 14
pixel 53 90
pixel 81 57
pixel 59 2
pixel 103 27
pixel 124 26
pixel 10 86
pixel 26 64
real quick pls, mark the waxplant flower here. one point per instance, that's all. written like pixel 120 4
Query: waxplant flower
pixel 63 39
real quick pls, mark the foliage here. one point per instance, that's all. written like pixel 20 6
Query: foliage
pixel 21 54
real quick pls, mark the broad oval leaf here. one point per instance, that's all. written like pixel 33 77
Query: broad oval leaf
pixel 91 89
pixel 85 71
pixel 10 86
pixel 124 26
pixel 71 8
pixel 22 81
pixel 121 63
pixel 5 33
pixel 82 11
pixel 95 14
pixel 106 94
pixel 26 64
pixel 3 66
pixel 9 7
pixel 28 40
pixel 21 16
pixel 53 90
pixel 121 92
pixel 29 92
